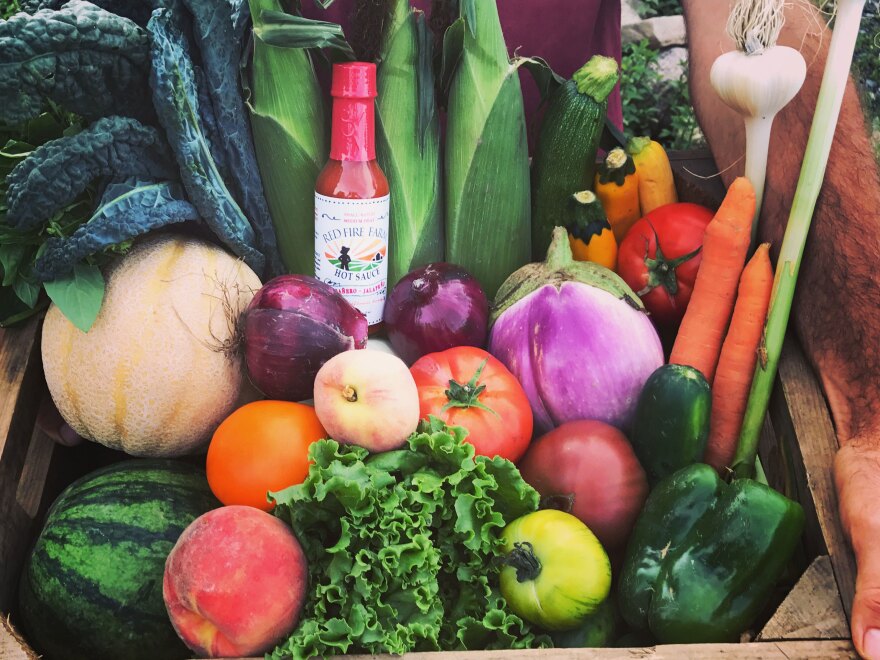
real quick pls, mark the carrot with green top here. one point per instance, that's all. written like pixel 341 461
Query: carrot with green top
pixel 725 246
pixel 739 356
pixel 617 186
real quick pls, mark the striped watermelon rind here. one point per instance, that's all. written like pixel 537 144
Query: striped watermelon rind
pixel 92 585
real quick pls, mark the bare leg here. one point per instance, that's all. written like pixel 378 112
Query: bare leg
pixel 837 308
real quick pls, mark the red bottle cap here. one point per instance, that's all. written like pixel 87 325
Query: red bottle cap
pixel 354 80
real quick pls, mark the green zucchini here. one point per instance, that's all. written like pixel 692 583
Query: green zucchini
pixel 565 159
pixel 671 425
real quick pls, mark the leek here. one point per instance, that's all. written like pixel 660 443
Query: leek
pixel 487 168
pixel 290 136
pixel 835 76
pixel 408 142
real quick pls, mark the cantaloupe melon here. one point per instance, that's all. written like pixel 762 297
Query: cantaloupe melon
pixel 150 377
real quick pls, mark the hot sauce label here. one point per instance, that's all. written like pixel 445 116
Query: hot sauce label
pixel 351 250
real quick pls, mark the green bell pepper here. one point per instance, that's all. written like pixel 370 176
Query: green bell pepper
pixel 704 556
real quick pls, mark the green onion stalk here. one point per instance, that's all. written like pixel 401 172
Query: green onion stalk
pixel 840 53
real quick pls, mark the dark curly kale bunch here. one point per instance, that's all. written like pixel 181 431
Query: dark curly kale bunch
pixel 148 127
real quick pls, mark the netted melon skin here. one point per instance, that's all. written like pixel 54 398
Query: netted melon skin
pixel 151 377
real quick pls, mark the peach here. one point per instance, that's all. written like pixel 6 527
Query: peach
pixel 367 398
pixel 235 582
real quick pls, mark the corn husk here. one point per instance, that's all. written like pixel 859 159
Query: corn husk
pixel 408 142
pixel 289 124
pixel 487 167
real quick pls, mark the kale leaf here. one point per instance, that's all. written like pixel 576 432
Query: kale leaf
pixel 214 27
pixel 54 174
pixel 89 61
pixel 127 210
pixel 136 10
pixel 176 99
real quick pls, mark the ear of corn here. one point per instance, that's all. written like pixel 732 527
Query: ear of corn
pixel 290 135
pixel 487 168
pixel 408 143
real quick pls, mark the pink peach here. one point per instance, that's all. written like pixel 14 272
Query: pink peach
pixel 235 582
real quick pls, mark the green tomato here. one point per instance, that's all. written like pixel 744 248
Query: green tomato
pixel 556 572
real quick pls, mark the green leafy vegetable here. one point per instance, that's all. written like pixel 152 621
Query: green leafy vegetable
pixel 54 174
pixel 92 62
pixel 128 209
pixel 213 26
pixel 176 100
pixel 403 547
pixel 79 295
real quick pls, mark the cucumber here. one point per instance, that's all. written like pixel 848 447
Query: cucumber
pixel 565 159
pixel 671 424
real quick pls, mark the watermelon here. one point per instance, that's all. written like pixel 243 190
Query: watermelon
pixel 92 585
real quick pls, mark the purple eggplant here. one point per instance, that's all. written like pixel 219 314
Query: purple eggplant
pixel 577 338
pixel 293 325
pixel 433 308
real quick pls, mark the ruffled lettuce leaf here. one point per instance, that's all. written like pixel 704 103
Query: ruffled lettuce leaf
pixel 403 548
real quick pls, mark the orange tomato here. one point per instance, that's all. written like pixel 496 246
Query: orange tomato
pixel 262 446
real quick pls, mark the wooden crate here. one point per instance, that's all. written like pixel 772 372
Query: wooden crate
pixel 797 449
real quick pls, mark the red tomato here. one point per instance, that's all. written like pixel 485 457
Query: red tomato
pixel 465 386
pixel 664 278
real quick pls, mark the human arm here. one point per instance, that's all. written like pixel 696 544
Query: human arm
pixel 836 313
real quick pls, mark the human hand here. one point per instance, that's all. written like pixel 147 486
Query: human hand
pixel 857 477
pixel 49 421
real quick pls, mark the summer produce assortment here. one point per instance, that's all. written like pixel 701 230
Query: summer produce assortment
pixel 514 464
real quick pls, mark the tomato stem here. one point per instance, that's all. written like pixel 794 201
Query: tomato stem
pixel 559 502
pixel 523 559
pixel 467 395
pixel 661 271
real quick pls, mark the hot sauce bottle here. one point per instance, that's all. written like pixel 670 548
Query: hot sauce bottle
pixel 352 201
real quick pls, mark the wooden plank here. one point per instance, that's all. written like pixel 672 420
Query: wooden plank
pixel 21 385
pixel 812 610
pixel 805 426
pixel 796 650
pixel 12 645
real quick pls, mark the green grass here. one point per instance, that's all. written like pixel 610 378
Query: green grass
pixel 652 8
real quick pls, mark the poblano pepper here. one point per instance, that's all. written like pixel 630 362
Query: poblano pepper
pixel 704 556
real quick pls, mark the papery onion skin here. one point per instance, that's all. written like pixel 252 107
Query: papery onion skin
pixel 293 325
pixel 433 308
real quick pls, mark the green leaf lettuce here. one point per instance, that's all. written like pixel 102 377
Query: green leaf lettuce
pixel 403 547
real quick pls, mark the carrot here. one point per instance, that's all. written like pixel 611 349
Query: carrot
pixel 617 186
pixel 725 245
pixel 739 356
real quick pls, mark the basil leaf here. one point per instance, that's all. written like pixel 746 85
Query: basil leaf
pixel 79 295
pixel 11 256
pixel 27 292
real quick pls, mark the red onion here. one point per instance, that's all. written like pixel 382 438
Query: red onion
pixel 433 308
pixel 293 325
pixel 589 469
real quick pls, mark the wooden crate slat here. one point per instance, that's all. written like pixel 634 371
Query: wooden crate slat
pixel 798 650
pixel 21 384
pixel 812 610
pixel 802 422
